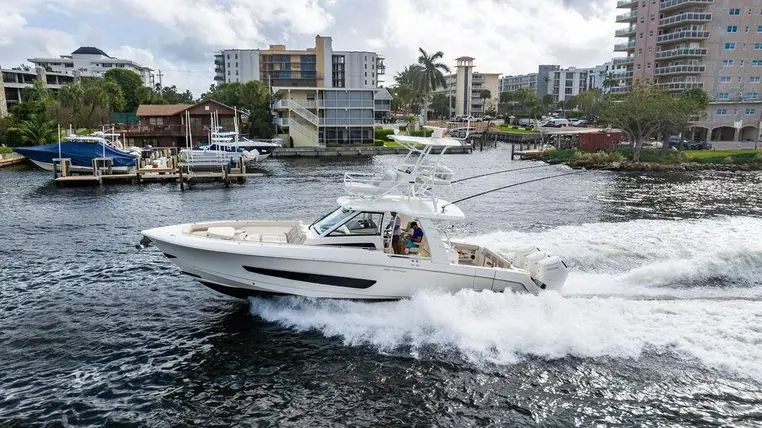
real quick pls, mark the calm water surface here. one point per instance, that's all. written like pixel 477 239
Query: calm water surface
pixel 660 323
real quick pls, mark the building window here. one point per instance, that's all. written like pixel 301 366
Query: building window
pixel 725 79
pixel 727 63
pixel 752 96
pixel 756 63
pixel 755 79
pixel 236 64
pixel 759 29
pixel 732 28
pixel 723 96
pixel 236 56
pixel 722 111
pixel 735 11
pixel 729 46
pixel 750 111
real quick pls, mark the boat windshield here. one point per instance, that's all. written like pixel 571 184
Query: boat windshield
pixel 339 216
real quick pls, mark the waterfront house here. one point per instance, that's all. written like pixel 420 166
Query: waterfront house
pixel 163 125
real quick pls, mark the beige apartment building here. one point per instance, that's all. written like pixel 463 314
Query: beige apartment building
pixel 715 45
pixel 468 89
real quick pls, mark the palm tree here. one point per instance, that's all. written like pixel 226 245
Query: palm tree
pixel 409 86
pixel 485 94
pixel 609 81
pixel 38 130
pixel 38 92
pixel 432 75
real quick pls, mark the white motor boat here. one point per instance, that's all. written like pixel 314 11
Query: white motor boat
pixel 349 253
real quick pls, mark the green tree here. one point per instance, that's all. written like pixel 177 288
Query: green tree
pixel 589 102
pixel 432 73
pixel 88 101
pixel 38 130
pixel 37 93
pixel 253 97
pixel 130 84
pixel 485 95
pixel 440 105
pixel 609 82
pixel 408 91
pixel 172 95
pixel 648 110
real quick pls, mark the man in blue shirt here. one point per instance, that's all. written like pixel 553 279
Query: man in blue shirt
pixel 416 237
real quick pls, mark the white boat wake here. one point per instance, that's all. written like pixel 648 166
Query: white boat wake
pixel 693 288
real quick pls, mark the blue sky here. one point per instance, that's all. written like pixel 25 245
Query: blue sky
pixel 180 36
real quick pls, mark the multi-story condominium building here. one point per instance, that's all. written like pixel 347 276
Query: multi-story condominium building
pixel 539 82
pixel 566 83
pixel 715 45
pixel 521 81
pixel 14 80
pixel 318 117
pixel 467 89
pixel 91 62
pixel 320 66
pixel 597 75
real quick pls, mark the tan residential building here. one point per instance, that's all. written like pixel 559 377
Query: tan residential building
pixel 319 66
pixel 466 88
pixel 715 45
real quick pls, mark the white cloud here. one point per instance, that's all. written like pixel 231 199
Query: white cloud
pixel 180 36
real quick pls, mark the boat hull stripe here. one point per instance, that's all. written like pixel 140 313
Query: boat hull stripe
pixel 337 281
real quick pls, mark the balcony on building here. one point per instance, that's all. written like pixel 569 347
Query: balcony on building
pixel 624 60
pixel 626 4
pixel 624 47
pixel 680 69
pixel 681 53
pixel 668 5
pixel 619 89
pixel 679 36
pixel 684 18
pixel 219 78
pixel 627 17
pixel 680 85
pixel 625 32
pixel 627 74
pixel 219 59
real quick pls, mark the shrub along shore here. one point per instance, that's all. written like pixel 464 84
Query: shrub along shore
pixel 654 160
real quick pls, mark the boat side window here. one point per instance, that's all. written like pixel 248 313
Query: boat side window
pixel 338 216
pixel 363 224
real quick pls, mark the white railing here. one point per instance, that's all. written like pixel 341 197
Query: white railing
pixel 300 109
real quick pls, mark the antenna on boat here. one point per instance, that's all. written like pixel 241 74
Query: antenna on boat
pixel 59 141
pixel 509 186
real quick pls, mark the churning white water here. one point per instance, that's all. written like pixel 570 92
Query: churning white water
pixel 690 287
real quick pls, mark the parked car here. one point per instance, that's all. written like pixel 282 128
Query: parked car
pixel 555 123
pixel 686 144
pixel 578 122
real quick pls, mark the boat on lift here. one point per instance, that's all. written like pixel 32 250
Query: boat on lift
pixel 81 150
pixel 349 252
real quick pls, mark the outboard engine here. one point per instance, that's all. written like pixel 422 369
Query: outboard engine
pixel 520 256
pixel 549 273
pixel 532 260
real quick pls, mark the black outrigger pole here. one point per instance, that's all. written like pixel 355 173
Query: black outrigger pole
pixel 509 186
pixel 500 172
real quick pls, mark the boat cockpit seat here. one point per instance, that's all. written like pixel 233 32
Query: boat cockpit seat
pixel 221 232
pixel 296 235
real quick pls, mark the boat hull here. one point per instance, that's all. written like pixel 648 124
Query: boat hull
pixel 80 153
pixel 240 269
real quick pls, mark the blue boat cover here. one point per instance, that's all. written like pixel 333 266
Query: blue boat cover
pixel 81 153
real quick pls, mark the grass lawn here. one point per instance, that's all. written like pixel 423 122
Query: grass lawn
pixel 715 156
pixel 509 129
pixel 393 144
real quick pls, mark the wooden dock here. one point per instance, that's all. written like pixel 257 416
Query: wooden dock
pixel 186 174
pixel 11 159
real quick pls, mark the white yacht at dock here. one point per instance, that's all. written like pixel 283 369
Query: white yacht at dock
pixel 351 253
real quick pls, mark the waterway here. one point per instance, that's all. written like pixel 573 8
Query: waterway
pixel 660 323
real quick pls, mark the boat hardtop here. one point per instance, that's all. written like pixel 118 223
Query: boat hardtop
pixel 374 245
